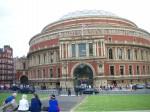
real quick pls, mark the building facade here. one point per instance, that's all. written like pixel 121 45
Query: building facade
pixel 90 47
pixel 21 70
pixel 6 66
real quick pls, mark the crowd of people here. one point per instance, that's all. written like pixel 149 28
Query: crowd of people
pixel 24 105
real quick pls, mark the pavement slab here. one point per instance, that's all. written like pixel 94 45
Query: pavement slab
pixel 66 103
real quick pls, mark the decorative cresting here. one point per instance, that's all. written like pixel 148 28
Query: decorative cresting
pixel 84 63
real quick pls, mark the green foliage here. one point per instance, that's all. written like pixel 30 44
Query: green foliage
pixel 104 103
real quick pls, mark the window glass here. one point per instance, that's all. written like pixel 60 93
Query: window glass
pixel 58 72
pixel 44 75
pixel 143 69
pixel 73 50
pixel 142 55
pixel 120 53
pixel 39 59
pixel 110 54
pixel 121 70
pixel 129 54
pixel 111 70
pixel 51 73
pixel 137 70
pixel 135 54
pixel 91 49
pixel 82 49
pixel 130 70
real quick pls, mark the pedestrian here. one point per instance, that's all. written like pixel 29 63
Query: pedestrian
pixel 10 103
pixel 35 104
pixel 59 91
pixel 53 104
pixel 11 98
pixel 23 104
pixel 69 92
pixel 76 89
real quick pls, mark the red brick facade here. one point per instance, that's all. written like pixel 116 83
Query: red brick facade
pixel 103 49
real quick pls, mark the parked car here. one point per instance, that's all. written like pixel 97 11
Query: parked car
pixel 27 90
pixel 138 86
pixel 147 86
pixel 90 91
pixel 15 88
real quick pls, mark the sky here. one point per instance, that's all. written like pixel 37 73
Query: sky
pixel 20 20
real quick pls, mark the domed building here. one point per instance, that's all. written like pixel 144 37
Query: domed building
pixel 90 47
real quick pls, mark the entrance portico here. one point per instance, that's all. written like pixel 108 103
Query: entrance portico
pixel 83 74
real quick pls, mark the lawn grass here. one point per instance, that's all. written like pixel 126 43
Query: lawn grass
pixel 98 103
pixel 3 96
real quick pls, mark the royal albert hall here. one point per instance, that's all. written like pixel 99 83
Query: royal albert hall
pixel 90 47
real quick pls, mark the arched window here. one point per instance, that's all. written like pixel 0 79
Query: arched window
pixel 39 58
pixel 44 75
pixel 121 70
pixel 135 54
pixel 111 70
pixel 142 57
pixel 58 72
pixel 143 70
pixel 137 70
pixel 120 53
pixel 73 50
pixel 130 69
pixel 129 54
pixel 110 53
pixel 39 74
pixel 44 58
pixel 51 72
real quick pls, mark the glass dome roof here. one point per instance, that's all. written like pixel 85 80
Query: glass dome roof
pixel 88 13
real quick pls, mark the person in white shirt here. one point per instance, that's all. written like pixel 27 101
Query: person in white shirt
pixel 23 104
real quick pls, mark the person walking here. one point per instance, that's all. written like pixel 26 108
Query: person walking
pixel 35 104
pixel 23 104
pixel 53 104
pixel 69 92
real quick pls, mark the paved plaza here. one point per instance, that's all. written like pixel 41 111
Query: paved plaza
pixel 66 103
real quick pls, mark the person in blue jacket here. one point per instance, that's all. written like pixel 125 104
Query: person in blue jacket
pixel 9 99
pixel 35 104
pixel 53 104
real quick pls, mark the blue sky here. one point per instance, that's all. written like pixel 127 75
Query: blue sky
pixel 20 20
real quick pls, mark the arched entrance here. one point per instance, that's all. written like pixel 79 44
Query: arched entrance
pixel 83 76
pixel 24 80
